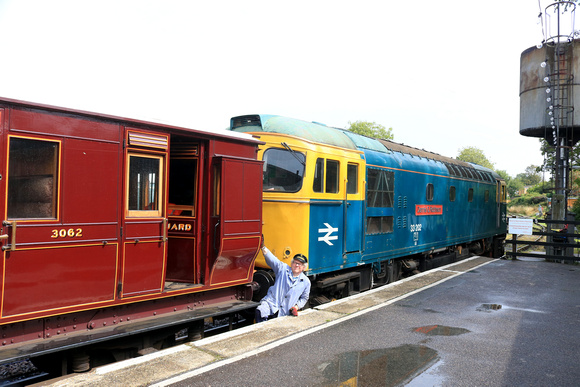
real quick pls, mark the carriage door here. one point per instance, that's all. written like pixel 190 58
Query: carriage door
pixel 184 231
pixel 236 218
pixel 145 225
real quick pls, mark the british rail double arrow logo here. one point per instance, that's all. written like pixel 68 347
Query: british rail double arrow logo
pixel 328 237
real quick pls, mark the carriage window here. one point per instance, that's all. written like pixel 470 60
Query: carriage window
pixel 332 174
pixel 429 193
pixel 144 185
pixel 470 195
pixel 380 188
pixel 283 170
pixel 318 176
pixel 352 178
pixel 32 178
pixel 452 193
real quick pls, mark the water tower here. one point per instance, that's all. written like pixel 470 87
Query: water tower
pixel 549 94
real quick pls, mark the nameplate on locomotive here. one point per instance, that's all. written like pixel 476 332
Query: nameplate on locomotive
pixel 428 209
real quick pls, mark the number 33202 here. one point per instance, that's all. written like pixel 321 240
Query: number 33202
pixel 71 233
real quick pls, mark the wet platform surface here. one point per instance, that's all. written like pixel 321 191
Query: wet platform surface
pixel 477 322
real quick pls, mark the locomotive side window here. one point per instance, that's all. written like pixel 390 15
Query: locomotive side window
pixel 352 178
pixel 486 195
pixel 379 224
pixel 318 175
pixel 452 193
pixel 144 185
pixel 429 193
pixel 32 178
pixel 380 188
pixel 332 175
pixel 470 195
pixel 283 170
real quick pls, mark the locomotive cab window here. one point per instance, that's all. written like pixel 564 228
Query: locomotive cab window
pixel 283 170
pixel 352 178
pixel 318 175
pixel 332 175
pixel 429 193
pixel 32 178
pixel 144 185
pixel 326 176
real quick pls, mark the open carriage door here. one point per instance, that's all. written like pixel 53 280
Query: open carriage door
pixel 145 225
pixel 237 218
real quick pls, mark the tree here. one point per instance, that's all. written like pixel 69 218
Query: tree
pixel 504 175
pixel 474 155
pixel 514 186
pixel 531 176
pixel 371 129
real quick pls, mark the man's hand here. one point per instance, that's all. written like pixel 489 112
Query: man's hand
pixel 294 311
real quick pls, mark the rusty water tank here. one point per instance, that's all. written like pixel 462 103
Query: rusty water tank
pixel 549 81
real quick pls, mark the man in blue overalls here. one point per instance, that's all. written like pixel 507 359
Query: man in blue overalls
pixel 290 291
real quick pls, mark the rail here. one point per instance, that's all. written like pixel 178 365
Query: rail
pixel 559 245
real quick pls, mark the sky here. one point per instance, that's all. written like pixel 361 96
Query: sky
pixel 443 75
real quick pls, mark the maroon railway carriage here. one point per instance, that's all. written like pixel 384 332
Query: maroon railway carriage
pixel 113 226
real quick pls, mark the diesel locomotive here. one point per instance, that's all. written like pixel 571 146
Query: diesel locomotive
pixel 366 211
pixel 114 226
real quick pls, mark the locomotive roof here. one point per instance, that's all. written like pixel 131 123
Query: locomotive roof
pixel 132 121
pixel 344 138
pixel 307 130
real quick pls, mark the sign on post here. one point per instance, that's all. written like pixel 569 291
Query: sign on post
pixel 520 226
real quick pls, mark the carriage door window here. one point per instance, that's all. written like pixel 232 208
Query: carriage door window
pixel 32 178
pixel 144 185
pixel 182 179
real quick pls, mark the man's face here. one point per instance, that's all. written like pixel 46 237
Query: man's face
pixel 297 267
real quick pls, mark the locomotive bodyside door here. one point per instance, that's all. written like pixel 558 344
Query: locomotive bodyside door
pixel 145 225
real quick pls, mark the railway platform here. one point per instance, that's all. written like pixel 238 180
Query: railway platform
pixel 477 322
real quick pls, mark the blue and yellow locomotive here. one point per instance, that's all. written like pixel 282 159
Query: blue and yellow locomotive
pixel 365 211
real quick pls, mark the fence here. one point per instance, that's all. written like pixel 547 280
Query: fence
pixel 560 245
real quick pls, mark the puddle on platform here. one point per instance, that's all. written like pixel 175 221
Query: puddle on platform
pixel 441 330
pixel 378 367
pixel 488 307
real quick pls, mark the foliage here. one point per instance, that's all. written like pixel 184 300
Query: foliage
pixel 474 155
pixel 504 175
pixel 371 129
pixel 576 209
pixel 531 176
pixel 514 186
